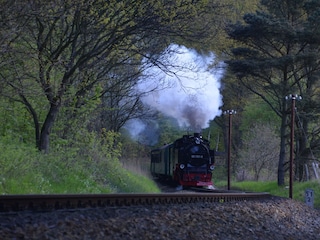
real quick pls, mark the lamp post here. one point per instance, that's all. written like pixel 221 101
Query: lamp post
pixel 293 98
pixel 230 113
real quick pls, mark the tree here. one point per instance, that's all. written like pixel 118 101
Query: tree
pixel 277 59
pixel 64 52
pixel 121 102
pixel 258 157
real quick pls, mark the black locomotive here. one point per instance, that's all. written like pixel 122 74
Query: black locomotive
pixel 188 161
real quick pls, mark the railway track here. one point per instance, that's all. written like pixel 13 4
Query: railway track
pixel 75 201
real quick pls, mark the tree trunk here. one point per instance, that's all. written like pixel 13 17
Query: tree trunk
pixel 47 126
pixel 32 111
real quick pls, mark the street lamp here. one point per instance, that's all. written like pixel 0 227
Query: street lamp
pixel 293 98
pixel 230 113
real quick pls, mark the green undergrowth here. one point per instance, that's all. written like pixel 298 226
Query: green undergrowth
pixel 24 170
pixel 298 190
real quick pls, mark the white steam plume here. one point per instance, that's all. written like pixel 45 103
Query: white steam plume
pixel 189 92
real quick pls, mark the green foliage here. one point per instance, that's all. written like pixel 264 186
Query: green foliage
pixel 57 54
pixel 298 190
pixel 275 57
pixel 170 130
pixel 214 134
pixel 93 168
pixel 123 180
pixel 219 175
pixel 227 11
pixel 13 163
pixel 16 122
pixel 256 111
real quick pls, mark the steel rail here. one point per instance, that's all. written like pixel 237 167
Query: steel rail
pixel 47 202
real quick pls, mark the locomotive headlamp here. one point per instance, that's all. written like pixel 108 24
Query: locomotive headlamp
pixel 182 166
pixel 211 167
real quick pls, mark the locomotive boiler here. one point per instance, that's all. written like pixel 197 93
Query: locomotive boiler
pixel 188 162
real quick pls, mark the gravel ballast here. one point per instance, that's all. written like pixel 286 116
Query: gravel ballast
pixel 275 218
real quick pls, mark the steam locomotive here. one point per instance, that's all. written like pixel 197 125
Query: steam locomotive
pixel 188 162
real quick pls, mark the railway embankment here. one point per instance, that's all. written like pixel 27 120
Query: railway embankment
pixel 271 218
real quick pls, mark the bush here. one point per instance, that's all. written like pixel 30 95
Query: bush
pixel 89 167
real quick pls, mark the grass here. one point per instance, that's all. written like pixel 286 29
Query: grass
pixel 298 189
pixel 27 171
